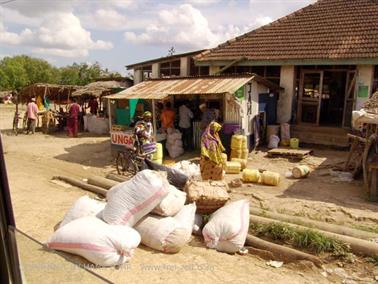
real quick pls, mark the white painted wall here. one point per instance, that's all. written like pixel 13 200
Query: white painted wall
pixel 184 66
pixel 284 105
pixel 138 76
pixel 365 74
pixel 155 70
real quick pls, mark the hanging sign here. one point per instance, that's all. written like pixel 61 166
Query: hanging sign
pixel 122 138
pixel 240 93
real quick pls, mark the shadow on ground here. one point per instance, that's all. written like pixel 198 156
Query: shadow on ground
pixel 89 154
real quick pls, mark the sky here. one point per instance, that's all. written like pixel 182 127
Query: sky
pixel 120 32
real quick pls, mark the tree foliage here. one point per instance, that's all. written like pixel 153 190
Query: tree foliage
pixel 20 71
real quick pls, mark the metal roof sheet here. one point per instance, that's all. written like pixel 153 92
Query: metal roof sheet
pixel 161 88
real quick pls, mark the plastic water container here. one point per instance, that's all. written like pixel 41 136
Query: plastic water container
pixel 270 178
pixel 294 143
pixel 158 155
pixel 250 175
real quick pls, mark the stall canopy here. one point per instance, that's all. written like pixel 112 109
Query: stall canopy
pixel 99 88
pixel 57 93
pixel 205 85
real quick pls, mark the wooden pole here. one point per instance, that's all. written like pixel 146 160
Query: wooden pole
pixel 154 118
pixel 109 115
pixel 83 185
pixel 102 182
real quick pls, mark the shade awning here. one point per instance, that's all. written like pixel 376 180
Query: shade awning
pixel 161 88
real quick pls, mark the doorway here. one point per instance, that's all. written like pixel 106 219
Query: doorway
pixel 323 95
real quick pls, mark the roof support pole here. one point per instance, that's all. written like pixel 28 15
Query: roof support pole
pixel 154 118
pixel 110 116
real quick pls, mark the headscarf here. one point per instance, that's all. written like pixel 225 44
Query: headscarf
pixel 211 145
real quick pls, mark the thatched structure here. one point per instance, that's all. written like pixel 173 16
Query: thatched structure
pixel 4 94
pixel 55 93
pixel 100 88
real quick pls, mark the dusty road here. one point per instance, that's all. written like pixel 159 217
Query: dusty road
pixel 40 204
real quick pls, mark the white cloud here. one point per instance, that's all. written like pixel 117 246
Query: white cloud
pixel 38 8
pixel 180 26
pixel 202 2
pixel 105 19
pixel 60 34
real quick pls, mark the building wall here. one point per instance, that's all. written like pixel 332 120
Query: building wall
pixel 284 105
pixel 213 69
pixel 155 70
pixel 184 66
pixel 365 74
pixel 138 76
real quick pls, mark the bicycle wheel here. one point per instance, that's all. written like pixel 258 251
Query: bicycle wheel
pixel 125 163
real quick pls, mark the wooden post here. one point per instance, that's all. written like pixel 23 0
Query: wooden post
pixel 154 118
pixel 109 115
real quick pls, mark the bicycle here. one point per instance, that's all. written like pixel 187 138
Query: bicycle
pixel 132 160
pixel 16 122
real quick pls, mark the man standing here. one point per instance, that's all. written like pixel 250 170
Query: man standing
pixel 208 115
pixel 73 121
pixel 167 117
pixel 185 124
pixel 32 112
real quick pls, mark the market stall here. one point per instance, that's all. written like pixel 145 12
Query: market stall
pixel 235 95
pixel 49 98
pixel 91 100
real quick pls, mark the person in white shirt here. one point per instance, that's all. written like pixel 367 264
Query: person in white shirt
pixel 185 125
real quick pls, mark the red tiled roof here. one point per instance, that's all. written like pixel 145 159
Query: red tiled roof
pixel 328 29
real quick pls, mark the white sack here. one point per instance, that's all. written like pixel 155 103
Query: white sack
pixel 167 234
pixel 135 198
pixel 172 203
pixel 228 227
pixel 83 207
pixel 98 242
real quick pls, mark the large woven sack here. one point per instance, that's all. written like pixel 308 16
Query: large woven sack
pixel 83 207
pixel 168 234
pixel 174 176
pixel 227 228
pixel 130 201
pixel 172 203
pixel 98 242
pixel 208 195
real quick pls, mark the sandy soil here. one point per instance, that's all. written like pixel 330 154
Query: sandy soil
pixel 40 204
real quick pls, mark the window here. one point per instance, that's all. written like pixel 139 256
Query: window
pixel 198 70
pixel 170 68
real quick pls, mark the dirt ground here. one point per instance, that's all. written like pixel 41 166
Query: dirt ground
pixel 39 205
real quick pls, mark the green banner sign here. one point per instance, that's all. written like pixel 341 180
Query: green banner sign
pixel 240 93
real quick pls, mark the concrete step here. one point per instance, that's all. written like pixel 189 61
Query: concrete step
pixel 315 135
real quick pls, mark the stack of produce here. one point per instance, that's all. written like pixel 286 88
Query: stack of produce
pixel 239 147
pixel 208 195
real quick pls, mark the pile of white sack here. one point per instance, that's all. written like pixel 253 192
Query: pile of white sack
pixel 145 209
pixel 188 168
pixel 174 143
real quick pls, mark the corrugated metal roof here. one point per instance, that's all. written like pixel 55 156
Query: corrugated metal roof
pixel 161 88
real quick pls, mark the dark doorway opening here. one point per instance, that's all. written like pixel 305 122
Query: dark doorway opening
pixel 333 98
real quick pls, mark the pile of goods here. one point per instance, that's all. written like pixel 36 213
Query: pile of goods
pixel 239 155
pixel 208 195
pixel 148 209
pixel 266 177
pixel 174 143
pixel 189 169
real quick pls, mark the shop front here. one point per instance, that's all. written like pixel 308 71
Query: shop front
pixel 234 100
